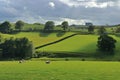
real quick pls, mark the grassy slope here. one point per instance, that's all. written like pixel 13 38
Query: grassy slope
pixel 61 70
pixel 79 43
pixel 38 38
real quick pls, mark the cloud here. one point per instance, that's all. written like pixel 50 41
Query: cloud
pixel 72 21
pixel 5 1
pixel 87 4
pixel 69 20
pixel 73 11
pixel 52 4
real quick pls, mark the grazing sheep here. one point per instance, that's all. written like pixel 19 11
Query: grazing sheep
pixel 20 61
pixel 47 62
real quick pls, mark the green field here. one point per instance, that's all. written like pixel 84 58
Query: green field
pixel 39 38
pixel 59 70
pixel 79 43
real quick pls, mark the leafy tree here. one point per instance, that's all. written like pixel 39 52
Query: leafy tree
pixel 118 30
pixel 5 27
pixel 106 43
pixel 101 31
pixel 65 25
pixel 24 47
pixel 91 29
pixel 17 48
pixel 49 26
pixel 19 25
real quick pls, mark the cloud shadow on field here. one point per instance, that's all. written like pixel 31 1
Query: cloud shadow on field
pixel 44 34
pixel 61 33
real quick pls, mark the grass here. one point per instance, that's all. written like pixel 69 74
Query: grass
pixel 60 70
pixel 79 43
pixel 39 38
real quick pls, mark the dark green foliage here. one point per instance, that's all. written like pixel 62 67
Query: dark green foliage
pixel 19 25
pixel 5 27
pixel 37 23
pixel 118 30
pixel 91 29
pixel 49 26
pixel 101 31
pixel 17 48
pixel 65 25
pixel 106 43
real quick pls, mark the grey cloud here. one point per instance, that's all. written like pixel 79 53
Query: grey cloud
pixel 40 11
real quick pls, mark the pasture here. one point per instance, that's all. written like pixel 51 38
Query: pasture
pixel 38 38
pixel 59 70
pixel 79 43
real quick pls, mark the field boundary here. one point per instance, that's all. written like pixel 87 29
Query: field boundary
pixel 56 41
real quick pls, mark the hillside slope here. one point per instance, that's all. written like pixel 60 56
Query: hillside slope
pixel 38 38
pixel 79 43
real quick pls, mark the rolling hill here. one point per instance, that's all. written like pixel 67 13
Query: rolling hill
pixel 39 38
pixel 81 44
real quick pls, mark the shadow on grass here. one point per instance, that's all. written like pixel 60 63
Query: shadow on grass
pixel 60 33
pixel 103 55
pixel 44 34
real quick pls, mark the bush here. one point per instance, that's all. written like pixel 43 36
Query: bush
pixel 106 44
pixel 17 48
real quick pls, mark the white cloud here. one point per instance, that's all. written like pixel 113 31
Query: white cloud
pixel 87 4
pixel 72 21
pixel 52 4
pixel 33 19
pixel 98 5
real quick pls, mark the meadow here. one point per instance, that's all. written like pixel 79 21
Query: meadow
pixel 68 68
pixel 59 70
pixel 38 38
pixel 79 43
pixel 85 44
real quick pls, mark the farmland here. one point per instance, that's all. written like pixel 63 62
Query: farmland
pixel 85 44
pixel 59 70
pixel 75 44
pixel 38 38
pixel 79 43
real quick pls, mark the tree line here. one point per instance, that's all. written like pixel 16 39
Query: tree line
pixel 18 48
pixel 22 47
pixel 6 26
pixel 49 26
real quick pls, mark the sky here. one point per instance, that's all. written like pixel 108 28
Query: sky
pixel 98 12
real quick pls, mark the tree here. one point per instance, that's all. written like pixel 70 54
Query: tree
pixel 65 25
pixel 19 25
pixel 101 31
pixel 106 43
pixel 17 48
pixel 24 47
pixel 5 27
pixel 117 30
pixel 91 29
pixel 49 26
